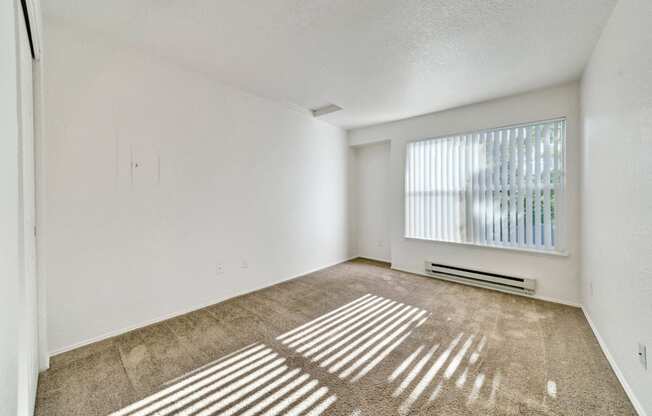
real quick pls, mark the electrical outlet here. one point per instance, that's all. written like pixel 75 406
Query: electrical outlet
pixel 642 354
pixel 219 269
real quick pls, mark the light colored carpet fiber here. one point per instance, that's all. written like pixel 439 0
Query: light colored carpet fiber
pixel 354 339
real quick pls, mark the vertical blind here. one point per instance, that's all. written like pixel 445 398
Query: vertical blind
pixel 496 187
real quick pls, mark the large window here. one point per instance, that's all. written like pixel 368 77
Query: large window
pixel 499 187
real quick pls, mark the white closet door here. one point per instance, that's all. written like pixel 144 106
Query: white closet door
pixel 28 350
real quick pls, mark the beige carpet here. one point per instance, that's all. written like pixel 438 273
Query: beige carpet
pixel 355 339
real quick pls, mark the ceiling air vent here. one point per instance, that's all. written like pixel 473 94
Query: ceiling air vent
pixel 327 109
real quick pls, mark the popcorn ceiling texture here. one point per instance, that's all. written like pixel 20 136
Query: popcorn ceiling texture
pixel 380 60
pixel 405 344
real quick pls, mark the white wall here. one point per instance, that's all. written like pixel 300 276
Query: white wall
pixel 240 179
pixel 617 191
pixel 557 276
pixel 372 201
pixel 9 213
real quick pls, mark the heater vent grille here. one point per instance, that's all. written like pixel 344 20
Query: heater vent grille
pixel 481 278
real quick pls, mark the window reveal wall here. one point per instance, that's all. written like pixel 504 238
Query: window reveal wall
pixel 372 201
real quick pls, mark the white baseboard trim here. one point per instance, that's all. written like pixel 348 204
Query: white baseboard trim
pixel 614 366
pixel 193 308
pixel 538 297
pixel 373 258
pixel 555 300
pixel 126 329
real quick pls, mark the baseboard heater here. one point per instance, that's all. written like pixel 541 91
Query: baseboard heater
pixel 480 278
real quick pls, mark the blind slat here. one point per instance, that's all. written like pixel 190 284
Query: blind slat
pixel 537 186
pixel 459 190
pixel 454 169
pixel 547 186
pixel 420 184
pixel 495 170
pixel 490 189
pixel 429 189
pixel 440 184
pixel 528 187
pixel 557 179
pixel 482 191
pixel 468 180
pixel 408 191
pixel 520 203
pixel 503 186
pixel 475 177
pixel 449 202
pixel 512 185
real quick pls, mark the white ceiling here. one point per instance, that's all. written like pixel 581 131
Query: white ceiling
pixel 380 60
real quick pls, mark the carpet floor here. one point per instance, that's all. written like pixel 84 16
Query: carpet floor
pixel 354 339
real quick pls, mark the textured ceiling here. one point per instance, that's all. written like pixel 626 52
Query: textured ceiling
pixel 380 60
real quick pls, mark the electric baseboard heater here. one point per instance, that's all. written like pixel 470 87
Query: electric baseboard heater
pixel 480 278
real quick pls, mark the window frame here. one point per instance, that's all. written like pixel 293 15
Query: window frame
pixel 561 248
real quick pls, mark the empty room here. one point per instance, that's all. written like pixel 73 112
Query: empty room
pixel 324 207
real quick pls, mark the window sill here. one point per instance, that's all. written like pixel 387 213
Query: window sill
pixel 481 246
